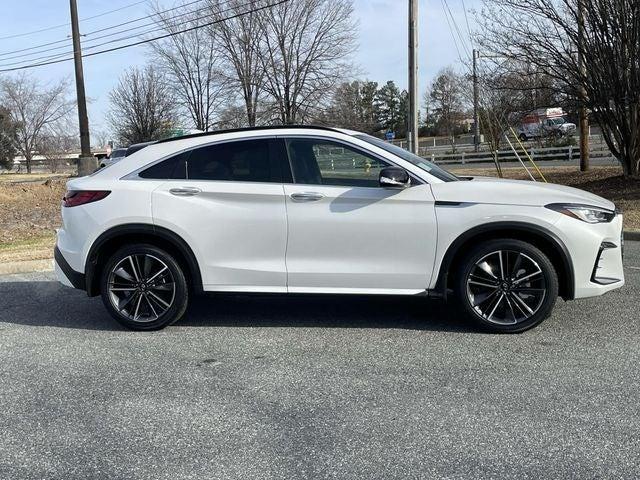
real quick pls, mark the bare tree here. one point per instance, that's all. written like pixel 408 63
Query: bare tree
pixel 546 35
pixel 239 42
pixel 57 146
pixel 306 50
pixel 142 107
pixel 191 63
pixel 353 106
pixel 34 107
pixel 101 137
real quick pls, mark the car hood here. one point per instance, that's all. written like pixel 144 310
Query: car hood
pixel 514 192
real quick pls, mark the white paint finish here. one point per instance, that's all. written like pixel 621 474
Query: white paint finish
pixel 238 231
pixel 353 240
pixel 455 220
pixel 360 238
pixel 583 242
pixel 515 192
pixel 128 202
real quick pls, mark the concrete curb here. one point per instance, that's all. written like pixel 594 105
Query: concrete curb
pixel 46 265
pixel 632 235
pixel 27 266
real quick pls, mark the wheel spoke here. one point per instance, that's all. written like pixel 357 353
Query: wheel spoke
pixel 479 299
pixel 521 302
pixel 133 268
pixel 527 277
pixel 485 267
pixel 482 284
pixel 135 314
pixel 146 297
pixel 157 298
pixel 516 265
pixel 146 266
pixel 502 275
pixel 493 310
pixel 163 269
pixel 513 314
pixel 122 273
pixel 124 302
pixel 478 278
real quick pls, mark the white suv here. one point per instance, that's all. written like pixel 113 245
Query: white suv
pixel 320 210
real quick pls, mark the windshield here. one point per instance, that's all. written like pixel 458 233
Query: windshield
pixel 119 152
pixel 420 162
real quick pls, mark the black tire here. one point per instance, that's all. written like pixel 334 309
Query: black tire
pixel 523 137
pixel 148 280
pixel 512 301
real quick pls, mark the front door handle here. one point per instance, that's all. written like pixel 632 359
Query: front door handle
pixel 306 196
pixel 185 191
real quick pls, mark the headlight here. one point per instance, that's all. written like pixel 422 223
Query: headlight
pixel 586 213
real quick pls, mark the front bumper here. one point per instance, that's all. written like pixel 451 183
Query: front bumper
pixel 596 255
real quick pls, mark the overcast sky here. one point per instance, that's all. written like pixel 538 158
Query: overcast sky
pixel 381 56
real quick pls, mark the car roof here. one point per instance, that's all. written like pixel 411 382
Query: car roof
pixel 253 129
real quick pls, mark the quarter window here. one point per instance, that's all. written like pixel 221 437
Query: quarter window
pixel 322 162
pixel 241 161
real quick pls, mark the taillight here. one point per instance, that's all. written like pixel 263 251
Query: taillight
pixel 73 198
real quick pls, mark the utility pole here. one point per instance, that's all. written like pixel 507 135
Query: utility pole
pixel 413 76
pixel 582 113
pixel 476 122
pixel 87 162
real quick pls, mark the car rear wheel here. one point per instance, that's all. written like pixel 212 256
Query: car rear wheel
pixel 144 288
pixel 507 286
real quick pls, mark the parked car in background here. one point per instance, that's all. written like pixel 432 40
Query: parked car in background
pixel 116 155
pixel 545 122
pixel 137 146
pixel 328 211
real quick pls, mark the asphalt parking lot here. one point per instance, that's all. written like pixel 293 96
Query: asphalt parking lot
pixel 316 387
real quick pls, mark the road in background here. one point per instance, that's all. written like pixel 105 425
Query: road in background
pixel 316 387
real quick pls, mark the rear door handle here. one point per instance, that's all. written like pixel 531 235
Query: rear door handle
pixel 306 196
pixel 185 191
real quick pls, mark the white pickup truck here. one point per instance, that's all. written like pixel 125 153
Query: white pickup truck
pixel 545 122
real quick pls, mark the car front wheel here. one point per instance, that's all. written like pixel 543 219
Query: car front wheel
pixel 144 288
pixel 507 286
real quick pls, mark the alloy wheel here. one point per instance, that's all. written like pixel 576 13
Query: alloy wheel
pixel 506 287
pixel 141 287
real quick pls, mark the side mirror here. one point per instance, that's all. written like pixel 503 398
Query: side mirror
pixel 394 177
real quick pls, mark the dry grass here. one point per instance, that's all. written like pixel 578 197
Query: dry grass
pixel 36 248
pixel 29 177
pixel 607 182
pixel 31 209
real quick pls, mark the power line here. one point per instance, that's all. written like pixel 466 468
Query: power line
pixel 455 42
pixel 55 27
pixel 91 45
pixel 466 19
pixel 457 28
pixel 93 32
pixel 160 37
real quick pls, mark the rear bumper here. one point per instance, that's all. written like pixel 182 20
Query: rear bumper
pixel 67 275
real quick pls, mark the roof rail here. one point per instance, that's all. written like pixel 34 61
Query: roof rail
pixel 247 129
